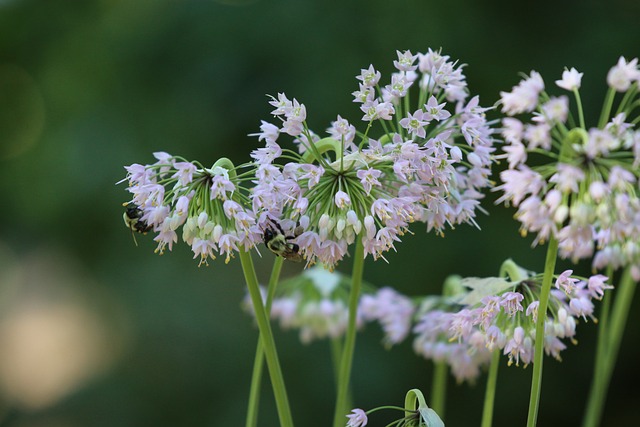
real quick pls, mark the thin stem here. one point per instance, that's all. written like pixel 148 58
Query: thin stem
pixel 350 338
pixel 490 393
pixel 580 112
pixel 614 332
pixel 439 387
pixel 595 393
pixel 254 394
pixel 256 376
pixel 536 382
pixel 606 108
pixel 266 337
pixel 511 269
pixel 336 355
pixel 618 318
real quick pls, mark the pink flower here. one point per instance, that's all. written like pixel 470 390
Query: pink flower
pixel 342 199
pixel 566 282
pixel 358 418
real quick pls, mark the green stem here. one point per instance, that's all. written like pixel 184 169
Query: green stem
pixel 490 393
pixel 612 337
pixel 513 270
pixel 268 343
pixel 350 338
pixel 439 387
pixel 606 108
pixel 580 113
pixel 595 393
pixel 618 319
pixel 256 377
pixel 536 382
pixel 336 354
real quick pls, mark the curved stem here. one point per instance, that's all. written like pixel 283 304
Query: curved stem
pixel 490 393
pixel 350 338
pixel 439 387
pixel 536 382
pixel 268 343
pixel 513 270
pixel 612 337
pixel 256 376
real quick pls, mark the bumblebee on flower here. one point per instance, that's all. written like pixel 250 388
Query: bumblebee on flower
pixel 206 202
pixel 427 166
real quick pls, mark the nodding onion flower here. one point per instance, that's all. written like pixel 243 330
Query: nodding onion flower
pixel 582 186
pixel 498 314
pixel 315 303
pixel 207 203
pixel 427 164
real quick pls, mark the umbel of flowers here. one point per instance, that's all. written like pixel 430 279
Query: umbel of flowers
pixel 428 163
pixel 581 195
pixel 207 204
pixel 586 194
pixel 499 314
pixel 315 303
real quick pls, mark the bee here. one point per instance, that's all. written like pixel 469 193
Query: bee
pixel 277 242
pixel 133 220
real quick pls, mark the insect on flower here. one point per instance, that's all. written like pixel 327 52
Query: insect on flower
pixel 133 220
pixel 277 242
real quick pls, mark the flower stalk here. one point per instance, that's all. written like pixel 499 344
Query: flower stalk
pixel 350 338
pixel 536 382
pixel 268 343
pixel 258 363
pixel 609 339
pixel 439 387
pixel 490 393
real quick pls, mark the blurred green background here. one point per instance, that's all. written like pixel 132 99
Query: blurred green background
pixel 95 331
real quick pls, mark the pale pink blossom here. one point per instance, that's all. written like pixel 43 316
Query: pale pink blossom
pixel 570 79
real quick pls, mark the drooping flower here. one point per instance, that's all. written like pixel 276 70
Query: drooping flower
pixel 584 193
pixel 428 164
pixel 392 310
pixel 208 203
pixel 489 315
pixel 357 418
pixel 313 302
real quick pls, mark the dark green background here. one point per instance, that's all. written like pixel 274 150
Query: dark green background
pixel 89 86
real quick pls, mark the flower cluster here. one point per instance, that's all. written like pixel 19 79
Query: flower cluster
pixel 208 203
pixel 392 310
pixel 314 302
pixel 500 315
pixel 587 196
pixel 429 164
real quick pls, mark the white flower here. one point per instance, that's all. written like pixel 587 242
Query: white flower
pixel 570 79
pixel 622 74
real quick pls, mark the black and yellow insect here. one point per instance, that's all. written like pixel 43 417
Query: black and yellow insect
pixel 133 220
pixel 277 242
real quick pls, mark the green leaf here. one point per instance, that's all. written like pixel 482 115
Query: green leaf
pixel 482 287
pixel 430 417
